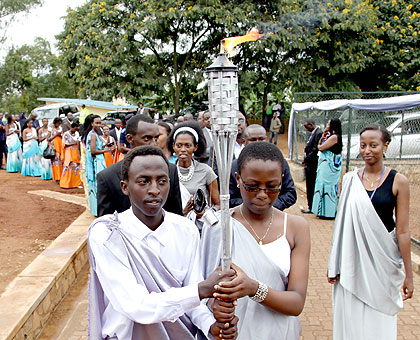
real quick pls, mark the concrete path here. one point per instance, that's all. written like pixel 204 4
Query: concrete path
pixel 69 322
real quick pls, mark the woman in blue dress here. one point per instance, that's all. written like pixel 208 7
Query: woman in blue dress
pixel 329 171
pixel 14 146
pixel 31 165
pixel 95 160
pixel 44 134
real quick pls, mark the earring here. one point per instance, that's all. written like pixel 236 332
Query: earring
pixel 237 185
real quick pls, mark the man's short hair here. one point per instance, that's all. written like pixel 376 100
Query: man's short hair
pixel 260 150
pixel 133 122
pixel 252 127
pixel 189 116
pixel 310 121
pixel 144 150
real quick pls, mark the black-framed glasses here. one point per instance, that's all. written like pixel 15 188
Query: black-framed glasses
pixel 255 190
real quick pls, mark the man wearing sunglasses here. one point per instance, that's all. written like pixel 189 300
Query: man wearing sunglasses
pixel 287 196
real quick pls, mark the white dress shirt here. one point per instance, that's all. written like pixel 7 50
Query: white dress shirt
pixel 118 134
pixel 238 149
pixel 176 242
pixel 209 133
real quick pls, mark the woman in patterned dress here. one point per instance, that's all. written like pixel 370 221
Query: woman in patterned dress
pixel 43 134
pixel 95 160
pixel 56 139
pixel 31 165
pixel 14 146
pixel 328 173
pixel 109 141
pixel 71 170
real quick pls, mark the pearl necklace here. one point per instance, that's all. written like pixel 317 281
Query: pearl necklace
pixel 190 174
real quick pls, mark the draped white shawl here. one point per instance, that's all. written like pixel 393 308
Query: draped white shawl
pixel 365 255
pixel 256 322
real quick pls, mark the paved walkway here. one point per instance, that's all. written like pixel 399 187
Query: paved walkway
pixel 69 322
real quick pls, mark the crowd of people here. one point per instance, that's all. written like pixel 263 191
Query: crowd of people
pixel 264 291
pixel 155 259
pixel 39 150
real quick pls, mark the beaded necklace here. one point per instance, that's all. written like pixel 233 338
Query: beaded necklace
pixel 190 174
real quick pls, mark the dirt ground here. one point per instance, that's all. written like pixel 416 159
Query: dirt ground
pixel 29 222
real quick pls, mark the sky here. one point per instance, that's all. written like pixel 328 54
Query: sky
pixel 44 21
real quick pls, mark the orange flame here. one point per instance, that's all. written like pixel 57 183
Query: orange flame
pixel 229 44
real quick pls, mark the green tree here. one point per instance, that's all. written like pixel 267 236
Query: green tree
pixel 363 46
pixel 308 46
pixel 136 48
pixel 157 49
pixel 395 60
pixel 29 72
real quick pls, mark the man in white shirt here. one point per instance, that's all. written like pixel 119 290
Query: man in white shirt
pixel 240 140
pixel 146 281
pixel 116 131
pixel 140 109
pixel 207 131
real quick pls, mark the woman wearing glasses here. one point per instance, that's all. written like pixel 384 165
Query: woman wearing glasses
pixel 270 253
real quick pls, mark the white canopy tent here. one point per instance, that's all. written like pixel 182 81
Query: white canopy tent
pixel 381 104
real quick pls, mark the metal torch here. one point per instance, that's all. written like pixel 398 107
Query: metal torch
pixel 222 78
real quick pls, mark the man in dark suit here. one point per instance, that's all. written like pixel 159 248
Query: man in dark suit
pixel 310 160
pixel 239 143
pixel 116 131
pixel 287 196
pixel 207 130
pixel 141 130
pixel 66 124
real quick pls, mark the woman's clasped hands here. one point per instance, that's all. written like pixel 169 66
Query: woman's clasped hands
pixel 225 296
pixel 241 285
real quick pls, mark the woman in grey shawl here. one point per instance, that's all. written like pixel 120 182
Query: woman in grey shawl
pixel 270 252
pixel 370 247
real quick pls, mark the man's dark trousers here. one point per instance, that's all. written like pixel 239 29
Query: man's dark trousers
pixel 310 173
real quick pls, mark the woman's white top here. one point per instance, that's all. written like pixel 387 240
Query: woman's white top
pixel 279 250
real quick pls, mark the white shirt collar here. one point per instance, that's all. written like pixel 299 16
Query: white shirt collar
pixel 130 223
pixel 238 148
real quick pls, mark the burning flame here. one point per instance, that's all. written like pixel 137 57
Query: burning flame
pixel 229 44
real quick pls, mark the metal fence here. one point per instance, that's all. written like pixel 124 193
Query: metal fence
pixel 403 153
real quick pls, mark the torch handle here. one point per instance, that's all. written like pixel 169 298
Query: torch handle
pixel 227 231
